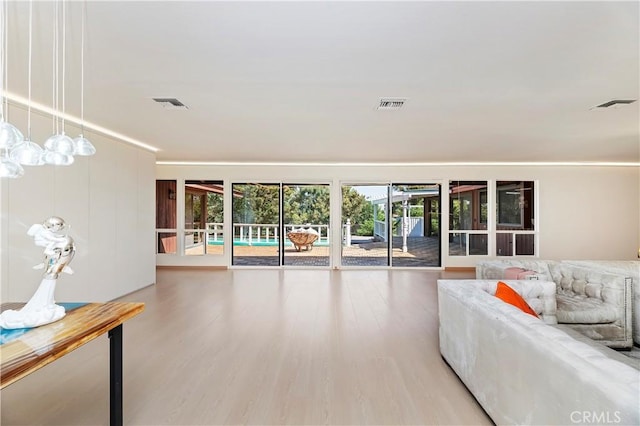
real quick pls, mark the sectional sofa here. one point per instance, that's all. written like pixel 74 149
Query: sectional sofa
pixel 595 301
pixel 525 370
pixel 629 269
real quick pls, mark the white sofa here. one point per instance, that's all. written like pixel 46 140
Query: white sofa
pixel 594 302
pixel 628 268
pixel 524 371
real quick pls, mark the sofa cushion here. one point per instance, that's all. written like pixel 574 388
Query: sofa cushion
pixel 515 273
pixel 574 309
pixel 510 296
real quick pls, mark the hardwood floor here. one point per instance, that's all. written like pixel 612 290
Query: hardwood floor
pixel 264 347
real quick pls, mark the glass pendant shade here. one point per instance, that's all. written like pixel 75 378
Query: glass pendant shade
pixel 83 146
pixel 27 153
pixel 57 158
pixel 10 136
pixel 61 144
pixel 9 168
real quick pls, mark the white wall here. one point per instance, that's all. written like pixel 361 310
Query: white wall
pixel 109 201
pixel 584 212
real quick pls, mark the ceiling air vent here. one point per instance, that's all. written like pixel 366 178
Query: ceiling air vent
pixel 391 103
pixel 616 102
pixel 170 103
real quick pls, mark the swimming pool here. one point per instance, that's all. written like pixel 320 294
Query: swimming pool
pixel 270 243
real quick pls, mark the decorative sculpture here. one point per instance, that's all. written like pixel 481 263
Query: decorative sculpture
pixel 58 252
pixel 303 237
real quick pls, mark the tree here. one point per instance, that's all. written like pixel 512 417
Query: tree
pixel 215 208
pixel 358 209
pixel 306 204
pixel 258 204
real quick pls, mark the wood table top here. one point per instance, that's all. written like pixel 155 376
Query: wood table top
pixel 30 349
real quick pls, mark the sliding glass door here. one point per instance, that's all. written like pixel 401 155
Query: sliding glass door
pixel 365 225
pixel 280 224
pixel 394 225
pixel 256 224
pixel 415 237
pixel 306 224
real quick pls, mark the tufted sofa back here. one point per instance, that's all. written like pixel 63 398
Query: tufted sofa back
pixel 583 282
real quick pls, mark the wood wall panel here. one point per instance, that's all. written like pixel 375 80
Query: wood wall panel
pixel 166 207
pixel 166 214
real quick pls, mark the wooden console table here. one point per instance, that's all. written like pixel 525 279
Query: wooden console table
pixel 24 351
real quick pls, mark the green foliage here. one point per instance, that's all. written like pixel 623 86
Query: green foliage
pixel 215 208
pixel 258 204
pixel 366 229
pixel 358 209
pixel 306 204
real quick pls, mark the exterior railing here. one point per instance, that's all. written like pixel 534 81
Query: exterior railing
pixel 247 233
pixel 380 229
pixel 250 233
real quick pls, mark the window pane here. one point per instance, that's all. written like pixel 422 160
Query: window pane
pixel 514 205
pixel 166 218
pixel 194 243
pixel 414 209
pixel 365 225
pixel 306 224
pixel 203 217
pixel 478 244
pixel 167 242
pixel 467 205
pixel 504 245
pixel 256 224
pixel 525 245
pixel 457 244
pixel 483 208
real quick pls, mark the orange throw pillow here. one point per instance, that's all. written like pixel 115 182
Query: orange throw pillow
pixel 509 295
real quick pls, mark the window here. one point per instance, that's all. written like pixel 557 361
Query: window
pixel 203 217
pixel 515 229
pixel 166 219
pixel 468 218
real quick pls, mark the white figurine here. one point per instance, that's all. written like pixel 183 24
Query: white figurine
pixel 58 252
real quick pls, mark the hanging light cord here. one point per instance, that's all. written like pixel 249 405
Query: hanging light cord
pixel 2 62
pixel 54 66
pixel 82 36
pixel 4 102
pixel 29 69
pixel 64 59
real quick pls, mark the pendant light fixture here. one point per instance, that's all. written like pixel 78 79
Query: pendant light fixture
pixel 28 153
pixel 10 136
pixel 59 148
pixel 82 144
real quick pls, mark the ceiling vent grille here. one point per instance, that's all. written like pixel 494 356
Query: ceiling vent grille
pixel 391 103
pixel 616 102
pixel 170 103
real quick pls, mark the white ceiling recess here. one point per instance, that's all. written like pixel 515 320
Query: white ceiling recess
pixel 302 81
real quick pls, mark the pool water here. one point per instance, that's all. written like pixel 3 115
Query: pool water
pixel 271 243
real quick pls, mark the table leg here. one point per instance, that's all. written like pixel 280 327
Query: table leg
pixel 115 376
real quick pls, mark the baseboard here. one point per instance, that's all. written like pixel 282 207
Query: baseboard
pixel 459 269
pixel 185 267
pixel 131 292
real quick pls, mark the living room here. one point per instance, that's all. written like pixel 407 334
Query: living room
pixel 493 92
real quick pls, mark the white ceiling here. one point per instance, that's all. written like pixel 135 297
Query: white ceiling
pixel 299 81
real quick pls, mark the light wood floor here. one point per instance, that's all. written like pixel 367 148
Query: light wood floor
pixel 264 347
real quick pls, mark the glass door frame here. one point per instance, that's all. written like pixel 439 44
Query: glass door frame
pixel 281 224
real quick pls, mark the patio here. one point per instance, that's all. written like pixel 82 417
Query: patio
pixel 421 251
